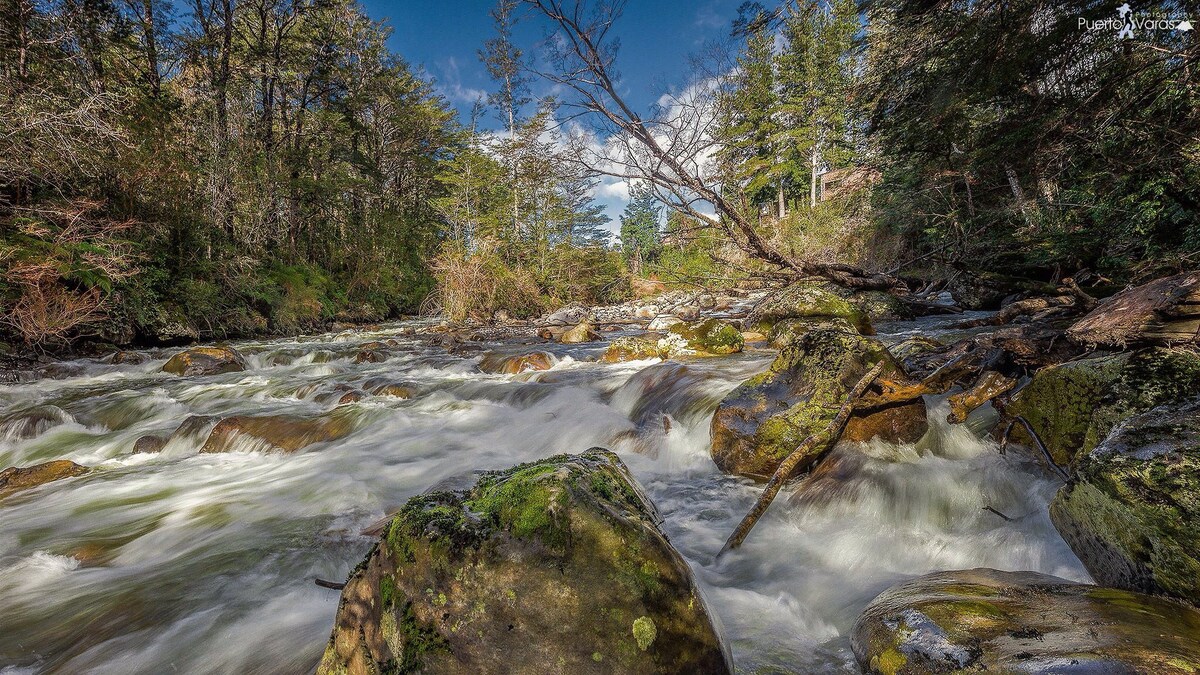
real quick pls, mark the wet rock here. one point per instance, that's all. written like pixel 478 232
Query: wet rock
pixel 1132 509
pixel 578 334
pixel 393 389
pixel 878 305
pixel 370 356
pixel 205 361
pixel 33 423
pixel 16 478
pixel 914 346
pixel 806 300
pixel 193 425
pixel 710 338
pixel 167 326
pixel 769 415
pixel 554 566
pixel 510 364
pixel 285 433
pixel 352 396
pixel 688 313
pixel 987 290
pixel 149 444
pixel 1163 312
pixel 127 358
pixel 1074 405
pixel 632 348
pixel 984 620
pixel 785 332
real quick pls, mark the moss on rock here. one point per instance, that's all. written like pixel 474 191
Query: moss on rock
pixel 1073 406
pixel 807 300
pixel 984 620
pixel 631 348
pixel 710 338
pixel 1131 512
pixel 769 415
pixel 552 566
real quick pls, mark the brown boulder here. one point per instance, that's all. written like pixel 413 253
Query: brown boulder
pixel 16 478
pixel 205 361
pixel 284 433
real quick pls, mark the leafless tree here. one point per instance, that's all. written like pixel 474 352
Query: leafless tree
pixel 671 149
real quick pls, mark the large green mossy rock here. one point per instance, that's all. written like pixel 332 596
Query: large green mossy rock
pixel 1132 510
pixel 709 338
pixel 807 301
pixel 1072 406
pixel 762 421
pixel 984 620
pixel 557 566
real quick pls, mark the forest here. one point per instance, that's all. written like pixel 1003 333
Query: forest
pixel 223 169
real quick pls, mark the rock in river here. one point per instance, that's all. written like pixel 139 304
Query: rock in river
pixel 284 433
pixel 554 566
pixel 205 361
pixel 16 478
pixel 763 420
pixel 806 301
pixel 984 620
pixel 1132 511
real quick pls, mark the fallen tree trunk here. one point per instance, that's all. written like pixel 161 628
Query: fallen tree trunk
pixel 1018 309
pixel 823 440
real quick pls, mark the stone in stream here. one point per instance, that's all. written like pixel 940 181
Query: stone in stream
pixel 33 423
pixel 149 444
pixel 370 356
pixel 16 478
pixel 553 566
pixel 632 348
pixel 806 301
pixel 1163 312
pixel 205 361
pixel 1132 510
pixel 285 433
pixel 713 337
pixel 511 364
pixel 785 331
pixel 583 332
pixel 762 421
pixel 877 305
pixel 1072 406
pixel 984 620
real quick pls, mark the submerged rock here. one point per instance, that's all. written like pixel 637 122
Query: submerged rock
pixel 807 300
pixel 284 433
pixel 984 620
pixel 1073 406
pixel 511 364
pixel 768 416
pixel 1132 512
pixel 553 566
pixel 33 423
pixel 205 361
pixel 16 478
pixel 149 444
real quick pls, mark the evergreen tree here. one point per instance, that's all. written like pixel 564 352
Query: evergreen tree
pixel 640 236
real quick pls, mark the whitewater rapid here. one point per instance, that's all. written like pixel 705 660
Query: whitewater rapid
pixel 204 563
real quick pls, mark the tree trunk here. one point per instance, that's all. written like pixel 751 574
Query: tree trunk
pixel 812 187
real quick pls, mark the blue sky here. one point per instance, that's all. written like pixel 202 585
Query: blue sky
pixel 657 38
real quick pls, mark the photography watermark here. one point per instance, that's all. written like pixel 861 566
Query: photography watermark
pixel 1130 23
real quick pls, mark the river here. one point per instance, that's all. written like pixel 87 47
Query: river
pixel 204 563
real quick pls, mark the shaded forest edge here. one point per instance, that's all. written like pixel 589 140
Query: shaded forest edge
pixel 223 169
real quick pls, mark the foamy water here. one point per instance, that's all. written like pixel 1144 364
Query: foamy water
pixel 190 563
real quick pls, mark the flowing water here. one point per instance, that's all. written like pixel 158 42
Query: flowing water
pixel 204 563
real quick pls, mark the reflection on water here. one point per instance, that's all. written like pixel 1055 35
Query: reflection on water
pixel 188 562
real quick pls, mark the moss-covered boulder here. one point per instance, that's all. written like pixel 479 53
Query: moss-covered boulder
pixel 278 433
pixel 806 300
pixel 1132 510
pixel 710 338
pixel 16 478
pixel 205 361
pixel 880 305
pixel 1072 406
pixel 557 566
pixel 768 416
pixel 984 620
pixel 632 348
pixel 510 364
pixel 785 332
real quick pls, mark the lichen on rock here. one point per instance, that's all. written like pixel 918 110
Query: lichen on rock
pixel 1132 509
pixel 713 337
pixel 552 566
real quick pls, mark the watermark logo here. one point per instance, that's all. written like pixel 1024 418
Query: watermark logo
pixel 1129 23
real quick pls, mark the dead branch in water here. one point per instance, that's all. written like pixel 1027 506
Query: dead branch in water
pixel 818 441
pixel 332 585
pixel 1037 441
